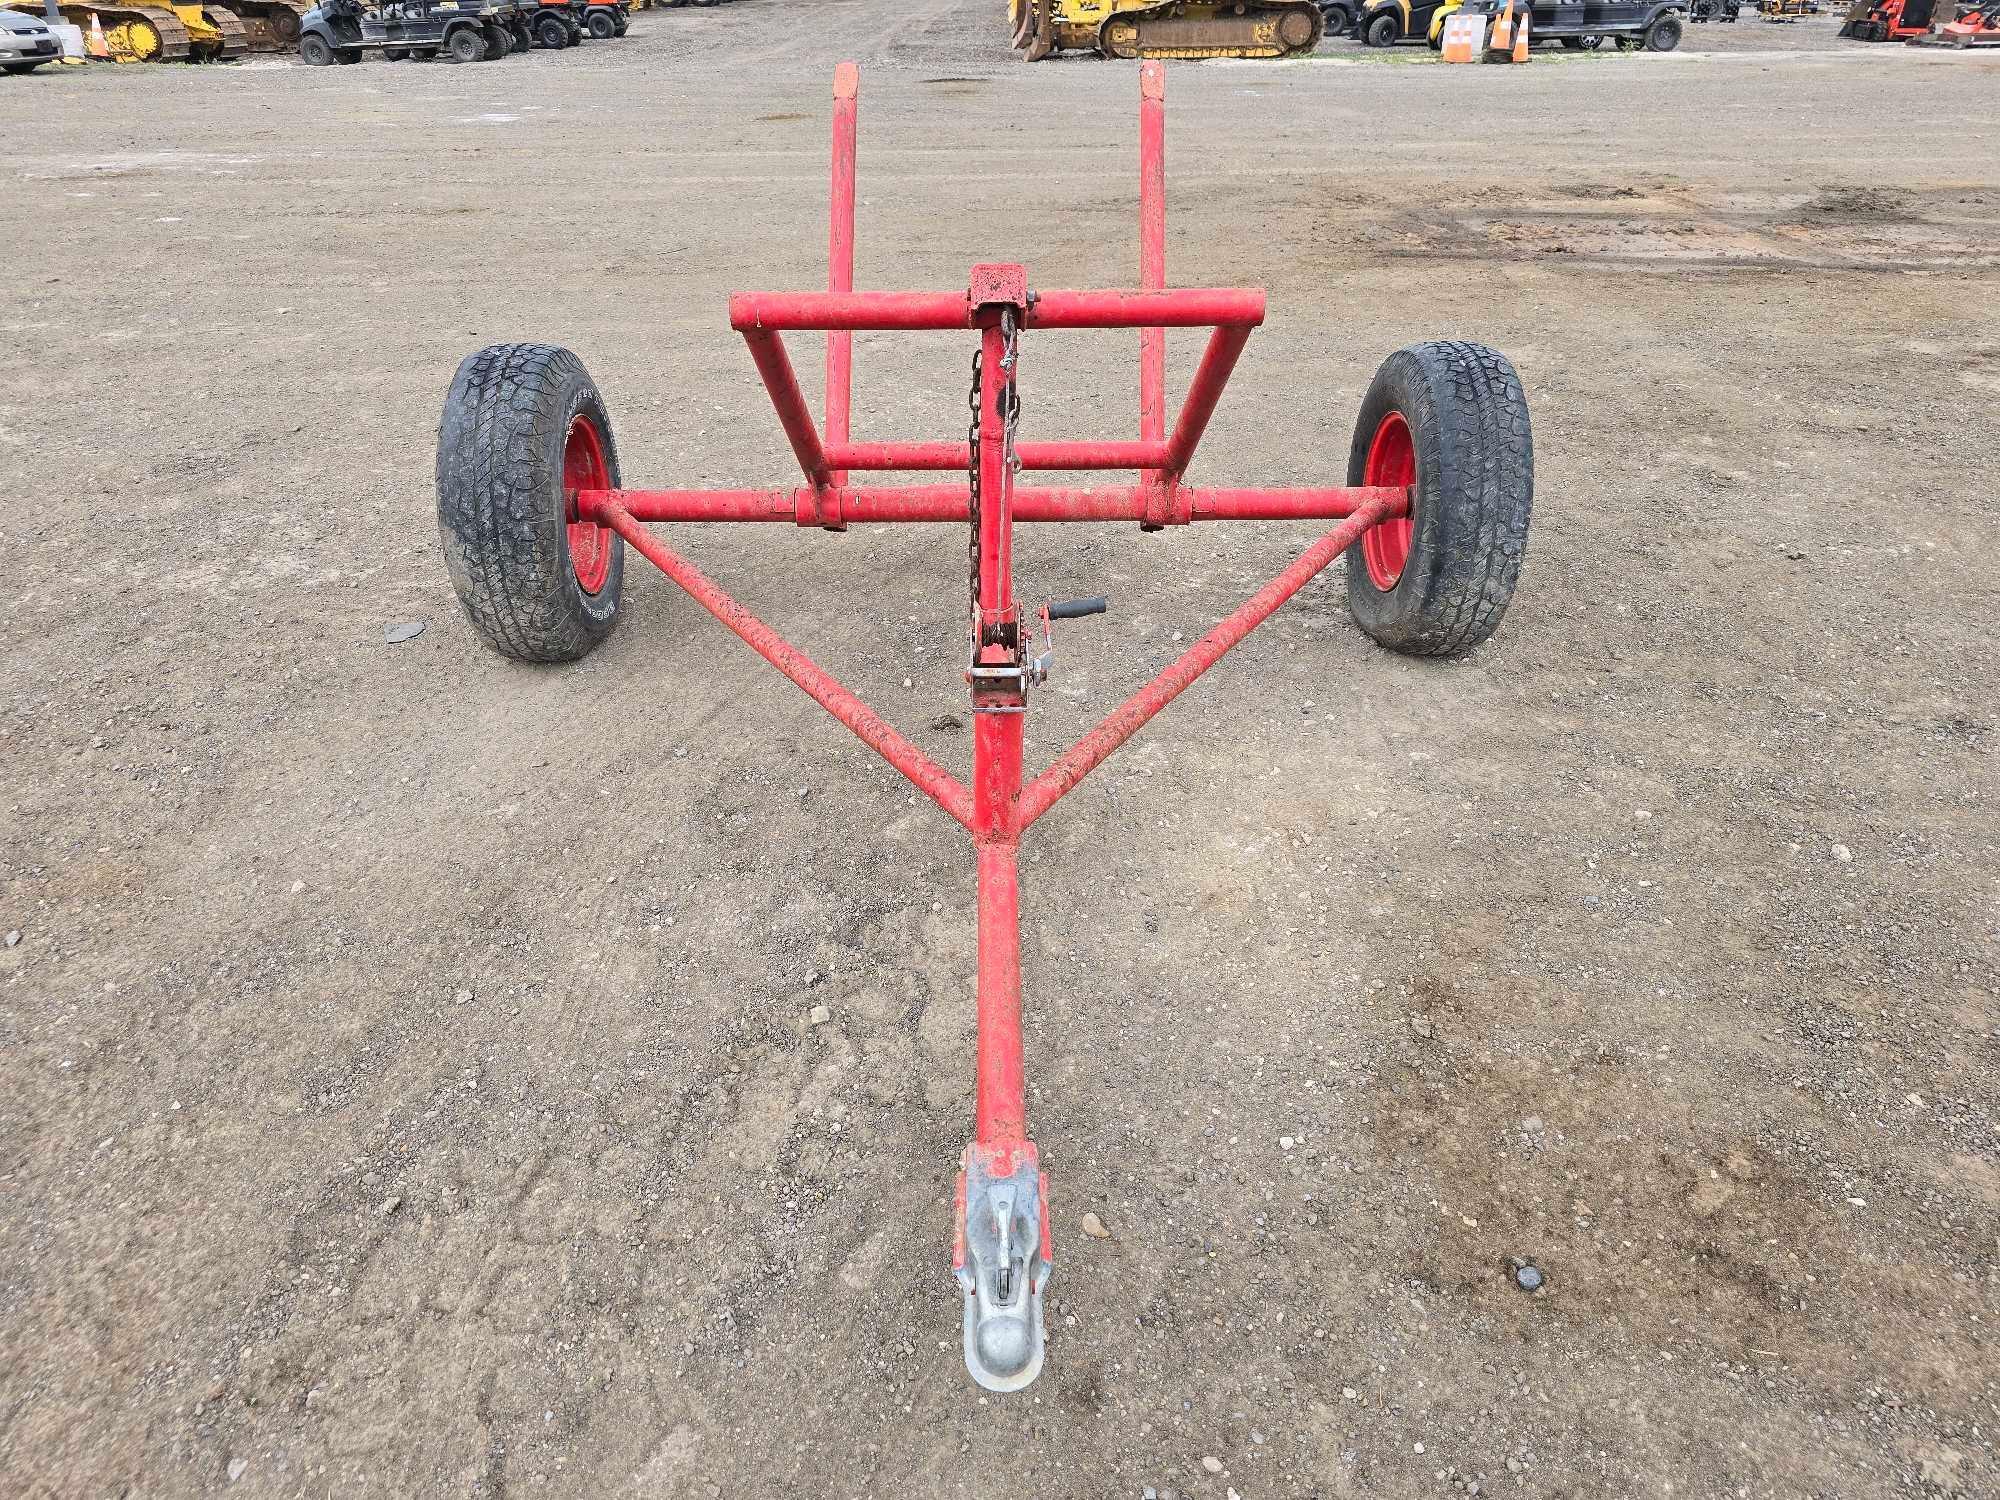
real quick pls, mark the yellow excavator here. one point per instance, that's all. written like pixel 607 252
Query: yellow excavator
pixel 183 30
pixel 1166 28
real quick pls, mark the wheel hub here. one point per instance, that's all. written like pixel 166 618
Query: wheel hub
pixel 1392 461
pixel 584 468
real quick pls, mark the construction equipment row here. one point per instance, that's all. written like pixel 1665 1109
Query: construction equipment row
pixel 203 31
pixel 1293 28
pixel 173 31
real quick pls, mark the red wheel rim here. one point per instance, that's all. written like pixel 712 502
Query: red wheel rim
pixel 584 468
pixel 1392 461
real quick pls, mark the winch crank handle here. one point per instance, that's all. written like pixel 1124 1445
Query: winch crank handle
pixel 1076 609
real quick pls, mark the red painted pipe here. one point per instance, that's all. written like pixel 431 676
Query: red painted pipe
pixel 1218 360
pixel 925 774
pixel 996 481
pixel 1000 1106
pixel 1177 307
pixel 1086 454
pixel 948 502
pixel 687 505
pixel 1180 307
pixel 860 311
pixel 1289 505
pixel 1152 246
pixel 775 366
pixel 1124 721
pixel 840 255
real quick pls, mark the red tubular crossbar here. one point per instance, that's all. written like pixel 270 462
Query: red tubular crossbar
pixel 904 312
pixel 1002 1164
pixel 955 456
pixel 952 502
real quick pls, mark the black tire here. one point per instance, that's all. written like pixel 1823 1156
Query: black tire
pixel 1336 19
pixel 396 54
pixel 1624 43
pixel 499 42
pixel 315 51
pixel 1464 425
pixel 465 45
pixel 424 54
pixel 1664 34
pixel 575 29
pixel 551 33
pixel 622 27
pixel 602 25
pixel 347 57
pixel 1381 31
pixel 507 450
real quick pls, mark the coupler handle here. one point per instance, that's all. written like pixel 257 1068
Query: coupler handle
pixel 1076 609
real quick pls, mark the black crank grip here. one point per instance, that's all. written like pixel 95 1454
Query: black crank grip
pixel 1076 609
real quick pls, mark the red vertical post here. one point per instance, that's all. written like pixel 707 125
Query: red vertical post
pixel 1152 245
pixel 840 255
pixel 996 483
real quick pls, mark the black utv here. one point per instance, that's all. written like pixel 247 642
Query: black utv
pixel 605 19
pixel 341 31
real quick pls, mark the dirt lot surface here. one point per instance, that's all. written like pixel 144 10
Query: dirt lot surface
pixel 409 1084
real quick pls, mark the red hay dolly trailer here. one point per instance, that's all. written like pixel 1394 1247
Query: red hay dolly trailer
pixel 1433 521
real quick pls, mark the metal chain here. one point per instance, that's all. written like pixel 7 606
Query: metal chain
pixel 1010 413
pixel 972 474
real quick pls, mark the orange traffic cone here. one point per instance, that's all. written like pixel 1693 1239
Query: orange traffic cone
pixel 1521 40
pixel 1462 36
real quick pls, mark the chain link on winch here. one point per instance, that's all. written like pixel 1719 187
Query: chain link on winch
pixel 1010 412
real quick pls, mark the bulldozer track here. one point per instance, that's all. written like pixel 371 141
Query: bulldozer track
pixel 1180 29
pixel 176 43
pixel 271 25
pixel 235 37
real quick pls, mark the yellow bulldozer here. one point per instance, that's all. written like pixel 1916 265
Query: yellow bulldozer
pixel 1166 28
pixel 183 30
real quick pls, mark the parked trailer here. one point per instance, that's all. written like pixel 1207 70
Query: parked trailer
pixel 1432 520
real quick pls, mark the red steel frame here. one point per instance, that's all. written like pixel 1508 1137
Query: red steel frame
pixel 998 805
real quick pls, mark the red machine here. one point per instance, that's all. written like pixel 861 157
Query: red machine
pixel 1891 20
pixel 1977 26
pixel 1433 521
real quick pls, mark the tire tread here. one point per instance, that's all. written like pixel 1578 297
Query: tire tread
pixel 504 542
pixel 1475 458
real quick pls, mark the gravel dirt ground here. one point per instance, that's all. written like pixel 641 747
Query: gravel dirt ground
pixel 409 1082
